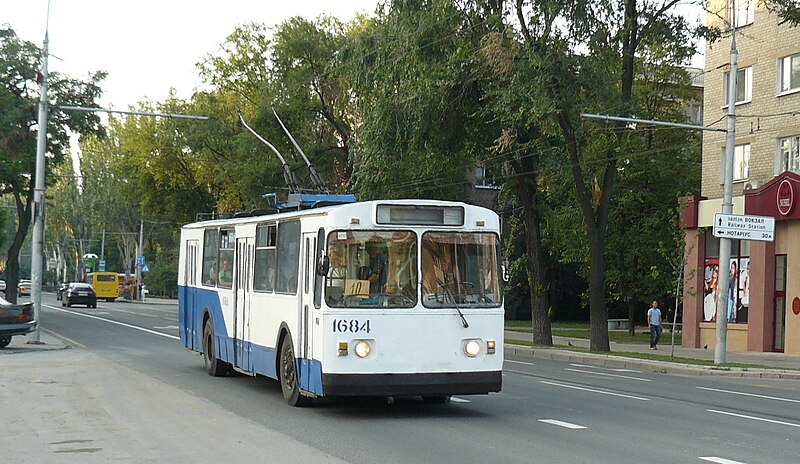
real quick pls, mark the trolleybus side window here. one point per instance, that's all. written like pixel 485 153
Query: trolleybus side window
pixel 372 268
pixel 225 274
pixel 264 280
pixel 288 256
pixel 460 268
pixel 210 267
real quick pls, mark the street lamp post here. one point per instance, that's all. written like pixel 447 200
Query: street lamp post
pixel 37 245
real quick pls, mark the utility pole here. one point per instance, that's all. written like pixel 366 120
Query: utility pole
pixel 139 251
pixel 723 283
pixel 38 197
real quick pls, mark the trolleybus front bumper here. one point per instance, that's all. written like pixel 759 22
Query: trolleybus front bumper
pixel 436 383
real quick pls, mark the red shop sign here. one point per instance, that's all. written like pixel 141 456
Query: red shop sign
pixel 796 306
pixel 785 197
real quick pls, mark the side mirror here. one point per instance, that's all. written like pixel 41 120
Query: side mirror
pixel 324 265
pixel 505 269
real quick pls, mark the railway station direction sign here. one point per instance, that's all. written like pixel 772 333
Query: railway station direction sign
pixel 744 227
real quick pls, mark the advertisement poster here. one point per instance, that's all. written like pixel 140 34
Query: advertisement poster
pixel 744 290
pixel 710 289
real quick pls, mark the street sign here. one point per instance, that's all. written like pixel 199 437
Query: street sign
pixel 145 268
pixel 140 260
pixel 744 227
pixel 101 266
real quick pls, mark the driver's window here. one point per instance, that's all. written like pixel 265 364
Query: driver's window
pixel 370 268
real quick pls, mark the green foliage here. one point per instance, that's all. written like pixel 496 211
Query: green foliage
pixel 19 95
pixel 417 96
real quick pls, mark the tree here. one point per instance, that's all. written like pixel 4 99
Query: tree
pixel 574 82
pixel 19 94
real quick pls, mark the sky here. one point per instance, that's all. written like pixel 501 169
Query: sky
pixel 150 46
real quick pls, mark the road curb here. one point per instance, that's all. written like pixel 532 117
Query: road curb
pixel 663 367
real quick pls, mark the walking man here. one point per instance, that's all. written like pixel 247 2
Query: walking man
pixel 654 321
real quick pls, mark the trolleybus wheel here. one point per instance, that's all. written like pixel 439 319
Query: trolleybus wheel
pixel 288 375
pixel 214 366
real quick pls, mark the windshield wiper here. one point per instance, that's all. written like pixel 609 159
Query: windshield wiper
pixel 453 299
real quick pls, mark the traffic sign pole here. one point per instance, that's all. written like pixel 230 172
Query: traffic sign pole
pixel 721 345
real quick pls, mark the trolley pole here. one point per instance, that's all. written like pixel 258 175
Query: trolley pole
pixel 723 283
pixel 38 199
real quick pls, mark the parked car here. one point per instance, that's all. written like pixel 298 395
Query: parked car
pixel 61 289
pixel 24 287
pixel 15 319
pixel 2 285
pixel 79 293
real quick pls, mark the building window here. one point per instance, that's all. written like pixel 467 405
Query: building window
pixel 789 73
pixel 741 163
pixel 484 178
pixel 789 154
pixel 744 86
pixel 744 12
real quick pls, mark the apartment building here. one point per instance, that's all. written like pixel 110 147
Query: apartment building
pixel 764 291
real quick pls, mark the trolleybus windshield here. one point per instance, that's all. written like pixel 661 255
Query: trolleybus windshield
pixel 372 268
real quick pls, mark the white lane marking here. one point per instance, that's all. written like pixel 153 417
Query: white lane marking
pixel 129 312
pixel 562 424
pixel 607 374
pixel 575 387
pixel 520 362
pixel 456 399
pixel 719 460
pixel 789 400
pixel 174 337
pixel 606 368
pixel 762 419
pixel 166 327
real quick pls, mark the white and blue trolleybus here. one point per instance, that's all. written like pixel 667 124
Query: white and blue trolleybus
pixel 381 298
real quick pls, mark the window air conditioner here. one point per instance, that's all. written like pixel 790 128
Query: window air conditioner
pixel 753 184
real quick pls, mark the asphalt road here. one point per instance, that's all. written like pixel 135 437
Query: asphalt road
pixel 134 393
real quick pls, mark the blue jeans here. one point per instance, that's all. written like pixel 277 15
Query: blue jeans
pixel 655 335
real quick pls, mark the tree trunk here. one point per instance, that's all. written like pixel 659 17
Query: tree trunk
pixel 598 312
pixel 12 261
pixel 537 270
pixel 631 317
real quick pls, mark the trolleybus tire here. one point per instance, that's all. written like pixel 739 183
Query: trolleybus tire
pixel 287 375
pixel 214 366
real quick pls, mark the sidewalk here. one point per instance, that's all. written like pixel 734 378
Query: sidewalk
pixel 770 365
pixel 19 344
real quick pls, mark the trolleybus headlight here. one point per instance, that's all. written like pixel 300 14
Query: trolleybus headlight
pixel 472 348
pixel 490 346
pixel 362 349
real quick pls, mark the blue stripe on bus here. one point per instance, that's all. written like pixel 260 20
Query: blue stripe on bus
pixel 310 375
pixel 257 358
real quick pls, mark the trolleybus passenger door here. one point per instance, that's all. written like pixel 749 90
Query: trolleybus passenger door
pixel 307 300
pixel 241 309
pixel 187 312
